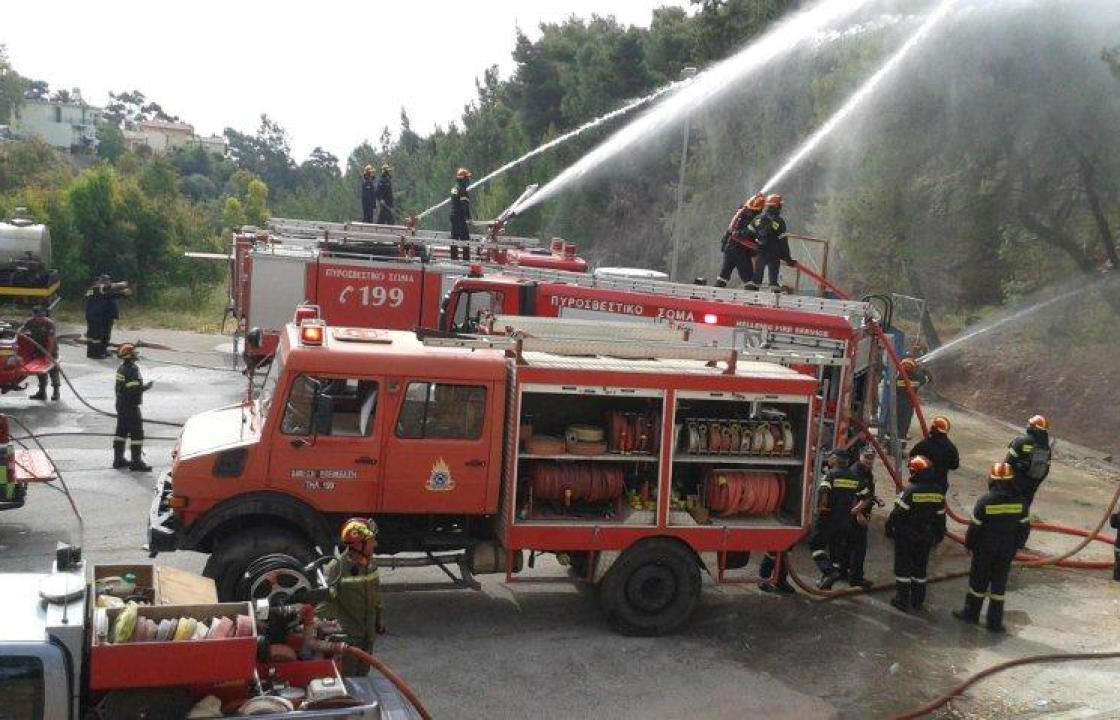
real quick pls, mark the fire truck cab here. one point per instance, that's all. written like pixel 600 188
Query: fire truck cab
pixel 642 461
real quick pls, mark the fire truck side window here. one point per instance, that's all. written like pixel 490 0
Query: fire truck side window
pixel 473 306
pixel 347 407
pixel 438 411
pixel 21 680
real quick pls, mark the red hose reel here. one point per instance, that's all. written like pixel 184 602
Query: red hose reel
pixel 743 492
pixel 572 482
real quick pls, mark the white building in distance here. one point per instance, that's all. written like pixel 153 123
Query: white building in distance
pixel 161 137
pixel 67 125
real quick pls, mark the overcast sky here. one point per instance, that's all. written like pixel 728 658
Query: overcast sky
pixel 332 73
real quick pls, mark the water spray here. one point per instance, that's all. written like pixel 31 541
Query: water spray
pixel 861 95
pixel 632 105
pixel 784 37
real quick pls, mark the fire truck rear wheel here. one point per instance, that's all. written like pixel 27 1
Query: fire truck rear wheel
pixel 652 589
pixel 233 555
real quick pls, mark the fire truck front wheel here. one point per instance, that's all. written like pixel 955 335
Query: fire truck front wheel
pixel 234 555
pixel 652 589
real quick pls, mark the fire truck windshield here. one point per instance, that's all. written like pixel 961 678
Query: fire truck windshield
pixel 267 388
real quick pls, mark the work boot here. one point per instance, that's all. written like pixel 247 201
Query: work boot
pixel 775 288
pixel 118 455
pixel 970 613
pixel 828 579
pixel 55 394
pixel 918 595
pixel 860 582
pixel 995 616
pixel 41 395
pixel 753 286
pixel 901 599
pixel 138 464
pixel 720 282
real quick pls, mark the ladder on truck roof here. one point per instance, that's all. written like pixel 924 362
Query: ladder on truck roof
pixel 625 349
pixel 529 325
pixel 372 232
pixel 759 298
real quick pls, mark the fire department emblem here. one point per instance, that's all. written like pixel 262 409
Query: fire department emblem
pixel 440 479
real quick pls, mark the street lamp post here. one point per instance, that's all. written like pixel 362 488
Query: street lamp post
pixel 687 73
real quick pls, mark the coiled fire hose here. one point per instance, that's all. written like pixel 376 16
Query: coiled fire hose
pixel 341 648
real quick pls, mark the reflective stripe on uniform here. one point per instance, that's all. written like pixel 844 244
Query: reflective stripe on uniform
pixel 136 443
pixel 973 593
pixel 901 579
pixel 917 580
pixel 845 484
pixel 996 598
pixel 134 383
pixel 118 438
pixel 899 502
pixel 1025 519
pixel 1004 509
pixel 819 553
pixel 121 378
pixel 826 484
pixel 928 497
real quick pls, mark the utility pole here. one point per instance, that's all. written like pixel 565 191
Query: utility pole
pixel 687 73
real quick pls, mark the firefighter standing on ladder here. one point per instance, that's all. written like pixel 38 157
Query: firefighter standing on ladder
pixel 1029 456
pixel 130 389
pixel 769 231
pixel 461 213
pixel 738 249
pixel 1000 526
pixel 916 524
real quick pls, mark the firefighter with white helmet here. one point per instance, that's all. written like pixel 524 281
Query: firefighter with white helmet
pixel 461 213
pixel 356 596
pixel 130 389
pixel 999 526
pixel 916 524
pixel 1029 456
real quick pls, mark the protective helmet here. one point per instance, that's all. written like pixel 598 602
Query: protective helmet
pixel 126 351
pixel 918 463
pixel 868 452
pixel 774 200
pixel 1001 471
pixel 940 424
pixel 756 202
pixel 356 531
pixel 463 174
pixel 367 170
pixel 909 364
pixel 386 169
pixel 1038 422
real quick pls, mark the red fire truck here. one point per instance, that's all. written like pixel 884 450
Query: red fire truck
pixel 641 458
pixel 363 275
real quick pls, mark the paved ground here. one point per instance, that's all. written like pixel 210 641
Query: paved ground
pixel 523 650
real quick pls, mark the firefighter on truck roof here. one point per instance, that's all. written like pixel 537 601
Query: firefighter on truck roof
pixel 356 593
pixel 738 249
pixel 369 194
pixel 461 213
pixel 384 195
pixel 769 231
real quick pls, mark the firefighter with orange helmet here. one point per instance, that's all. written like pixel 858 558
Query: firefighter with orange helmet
pixel 916 523
pixel 130 389
pixel 369 194
pixel 383 193
pixel 1029 456
pixel 999 526
pixel 904 409
pixel 939 449
pixel 769 231
pixel 356 593
pixel 461 213
pixel 738 248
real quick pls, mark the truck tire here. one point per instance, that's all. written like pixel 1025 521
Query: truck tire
pixel 652 589
pixel 233 555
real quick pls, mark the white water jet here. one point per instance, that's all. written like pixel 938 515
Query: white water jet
pixel 861 95
pixel 972 335
pixel 632 105
pixel 806 25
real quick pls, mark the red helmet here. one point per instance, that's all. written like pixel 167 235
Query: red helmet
pixel 756 202
pixel 909 364
pixel 774 200
pixel 940 424
pixel 1038 422
pixel 1001 471
pixel 463 174
pixel 356 531
pixel 918 463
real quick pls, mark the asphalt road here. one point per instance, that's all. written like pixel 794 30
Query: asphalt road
pixel 534 648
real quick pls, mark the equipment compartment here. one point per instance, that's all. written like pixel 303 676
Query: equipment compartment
pixel 589 454
pixel 738 461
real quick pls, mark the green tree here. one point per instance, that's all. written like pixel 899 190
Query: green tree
pixel 95 200
pixel 110 143
pixel 233 215
pixel 256 203
pixel 12 87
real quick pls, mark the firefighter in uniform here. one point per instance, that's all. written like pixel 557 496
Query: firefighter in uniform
pixel 769 231
pixel 461 213
pixel 904 410
pixel 766 579
pixel 1029 456
pixel 1114 521
pixel 369 194
pixel 40 328
pixel 101 313
pixel 384 195
pixel 999 527
pixel 738 249
pixel 916 523
pixel 854 551
pixel 356 597
pixel 840 491
pixel 130 389
pixel 939 449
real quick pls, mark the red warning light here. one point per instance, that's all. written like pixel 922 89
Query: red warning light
pixel 710 318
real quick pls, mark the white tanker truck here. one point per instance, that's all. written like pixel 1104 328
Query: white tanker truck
pixel 26 279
